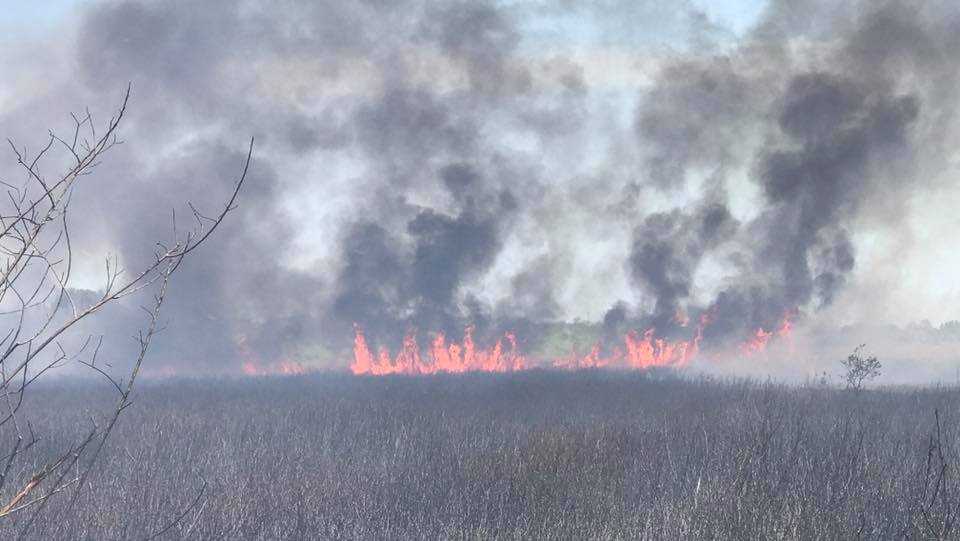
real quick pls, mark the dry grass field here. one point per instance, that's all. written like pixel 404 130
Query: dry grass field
pixel 546 455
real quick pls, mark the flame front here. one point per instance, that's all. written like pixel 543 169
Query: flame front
pixel 253 366
pixel 285 368
pixel 758 342
pixel 639 351
pixel 441 357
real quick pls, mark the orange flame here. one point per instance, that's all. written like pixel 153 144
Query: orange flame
pixel 452 358
pixel 757 343
pixel 639 352
pixel 761 338
pixel 286 368
pixel 642 352
pixel 252 366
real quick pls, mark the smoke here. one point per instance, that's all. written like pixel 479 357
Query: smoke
pixel 827 122
pixel 667 248
pixel 433 165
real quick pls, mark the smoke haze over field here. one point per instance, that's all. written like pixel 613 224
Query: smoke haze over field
pixel 513 165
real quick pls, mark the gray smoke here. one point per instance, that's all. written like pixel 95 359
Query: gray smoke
pixel 842 125
pixel 667 248
pixel 431 165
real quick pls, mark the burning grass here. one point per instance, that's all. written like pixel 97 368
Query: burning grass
pixel 533 454
pixel 639 351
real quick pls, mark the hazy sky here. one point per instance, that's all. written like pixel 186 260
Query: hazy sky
pixel 24 17
pixel 737 15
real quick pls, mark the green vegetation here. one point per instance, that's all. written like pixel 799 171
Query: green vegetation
pixel 560 339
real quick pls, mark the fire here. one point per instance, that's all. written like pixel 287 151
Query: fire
pixel 640 351
pixel 252 366
pixel 440 357
pixel 761 337
pixel 757 343
pixel 286 368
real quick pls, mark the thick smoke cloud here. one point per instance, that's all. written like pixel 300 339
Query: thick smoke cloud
pixel 666 250
pixel 431 165
pixel 826 120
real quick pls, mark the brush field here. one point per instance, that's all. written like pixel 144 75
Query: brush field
pixel 544 455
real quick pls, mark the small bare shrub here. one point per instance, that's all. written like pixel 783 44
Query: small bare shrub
pixel 860 368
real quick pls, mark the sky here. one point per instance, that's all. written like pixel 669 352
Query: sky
pixel 736 15
pixel 510 164
pixel 20 18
